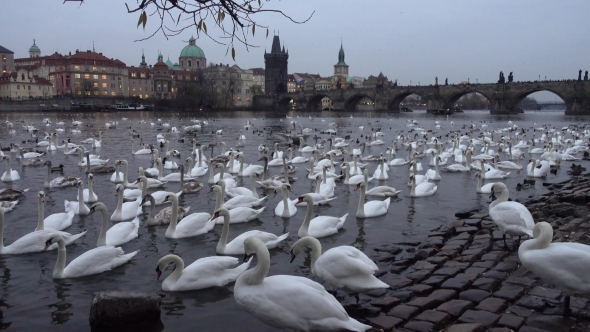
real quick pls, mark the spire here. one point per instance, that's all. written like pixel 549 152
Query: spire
pixel 341 56
pixel 276 45
pixel 142 64
pixel 93 51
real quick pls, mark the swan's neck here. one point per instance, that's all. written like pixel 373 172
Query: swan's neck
pixel 219 199
pixel 316 250
pixel 413 191
pixel 291 155
pixel 258 273
pixel 81 197
pixel 47 176
pixel 90 190
pixel 285 193
pixel 119 202
pixel 60 264
pixel 361 209
pixel 253 185
pixel 542 241
pixel 117 176
pixel 150 217
pixel 324 172
pixel 224 234
pixel 125 172
pixel 1 229
pixel 311 166
pixel 160 169
pixel 40 217
pixel 479 183
pixel 174 221
pixel 503 198
pixel 177 273
pixel 211 176
pixel 231 162
pixel 305 226
pixel 102 238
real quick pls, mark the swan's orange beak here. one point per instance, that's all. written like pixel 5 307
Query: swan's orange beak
pixel 299 200
pixel 215 216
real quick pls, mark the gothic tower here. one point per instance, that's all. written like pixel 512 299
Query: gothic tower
pixel 341 68
pixel 275 72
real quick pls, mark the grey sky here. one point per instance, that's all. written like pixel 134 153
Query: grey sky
pixel 406 40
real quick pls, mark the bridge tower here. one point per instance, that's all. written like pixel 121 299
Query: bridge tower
pixel 275 72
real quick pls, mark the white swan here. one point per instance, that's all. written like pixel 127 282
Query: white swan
pixel 250 169
pixel 78 207
pixel 93 261
pixel 371 208
pixel 152 183
pixel 494 173
pixel 423 189
pixel 212 271
pixel 119 233
pixel 285 208
pixel 434 174
pixel 237 191
pixel 512 218
pixel 236 246
pixel 10 175
pixel 88 194
pixel 116 177
pixel 239 214
pixel 140 151
pixel 487 189
pixel 127 210
pixel 53 222
pixel 508 164
pixel 383 191
pixel 538 172
pixel 191 225
pixel 380 172
pixel 318 199
pixel 564 265
pixel 195 171
pixel 159 196
pixel 34 241
pixel 319 226
pixel 241 200
pixel 341 267
pixel 289 302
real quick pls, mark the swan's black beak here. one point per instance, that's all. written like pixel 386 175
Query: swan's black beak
pixel 159 272
pixel 247 257
pixel 92 210
pixel 292 257
pixel 47 244
pixel 493 196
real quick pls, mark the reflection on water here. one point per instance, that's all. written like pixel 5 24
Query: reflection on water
pixel 26 281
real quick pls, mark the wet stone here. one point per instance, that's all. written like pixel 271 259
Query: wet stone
pixel 397 269
pixel 470 327
pixel 492 304
pixel 436 240
pixel 434 281
pixel 386 323
pixel 419 326
pixel 419 289
pixel 545 292
pixel 402 295
pixel 403 311
pixel 511 321
pixel 437 260
pixel 418 276
pixel 476 252
pixel 449 252
pixel 395 281
pixel 496 275
pixel 474 295
pixel 481 244
pixel 520 311
pixel 486 264
pixel 425 303
pixel 383 256
pixel 469 276
pixel 461 236
pixel 531 329
pixel 499 329
pixel 423 265
pixel 459 265
pixel 468 258
pixel 506 266
pixel 577 302
pixel 467 229
pixel 455 308
pixel 486 284
pixel 532 302
pixel 443 294
pixel 459 284
pixel 447 271
pixel 478 316
pixel 376 292
pixel 386 303
pixel 438 318
pixel 493 256
pixel 476 270
pixel 473 222
pixel 523 281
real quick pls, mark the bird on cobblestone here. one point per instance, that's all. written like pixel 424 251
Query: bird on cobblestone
pixel 512 218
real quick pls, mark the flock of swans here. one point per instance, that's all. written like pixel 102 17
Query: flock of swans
pixel 336 162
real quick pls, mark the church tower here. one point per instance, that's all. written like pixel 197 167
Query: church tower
pixel 34 51
pixel 341 68
pixel 275 72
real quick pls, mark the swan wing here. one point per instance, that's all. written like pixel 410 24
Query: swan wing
pixel 93 261
pixel 195 224
pixel 513 214
pixel 122 232
pixel 344 261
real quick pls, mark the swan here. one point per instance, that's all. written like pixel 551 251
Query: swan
pixel 78 207
pixel 508 164
pixel 116 177
pixel 341 267
pixel 140 151
pixel 93 261
pixel 170 164
pixel 10 175
pixel 356 179
pixel 240 201
pixel 285 208
pixel 324 189
pixel 189 187
pixel 88 194
pixel 8 205
pixel 318 199
pixel 236 246
pixel 195 171
pixel 58 182
pixel 165 215
pixel 34 241
pixel 191 225
pixel 434 174
pixel 423 189
pixel 172 177
pixel 212 271
pixel 119 233
pixel 538 172
pixel 512 218
pixel 237 191
pixel 228 178
pixel 54 222
pixel 487 189
pixel 319 226
pixel 127 210
pixel 371 208
pixel 296 160
pixel 288 302
pixel 380 173
pixel 97 168
pixel 239 214
pixel 494 173
pixel 8 194
pixel 460 167
pixel 151 183
pixel 251 169
pixel 564 265
pixel 383 191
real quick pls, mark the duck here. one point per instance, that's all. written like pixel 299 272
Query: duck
pixel 54 222
pixel 512 217
pixel 309 306
pixel 163 217
pixel 10 175
pixel 423 189
pixel 78 207
pixel 238 214
pixel 206 272
pixel 341 267
pixel 372 208
pixel 236 246
pixel 93 261
pixel 192 225
pixel 60 181
pixel 127 210
pixel 563 265
pixel 285 208
pixel 9 194
pixel 34 241
pixel 119 233
pixel 319 226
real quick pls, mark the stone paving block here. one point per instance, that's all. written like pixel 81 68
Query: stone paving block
pixel 545 292
pixel 451 246
pixel 481 244
pixel 403 295
pixel 448 253
pixel 419 289
pixel 496 275
pixel 446 271
pixel 499 329
pixel 419 326
pixel 419 275
pixel 455 308
pixel 506 266
pixel 459 265
pixel 423 265
pixel 458 284
pixel 479 316
pixel 466 259
pixel 474 295
pixel 477 252
pixel 386 323
pixel 425 302
pixel 476 270
pixel 403 311
pixel 486 264
pixel 493 256
pixel 523 281
pixel 473 222
pixel 397 269
pixel 531 329
pixel 434 281
pixel 376 292
pixel 386 303
pixel 578 302
pixel 470 327
pixel 461 236
pixel 486 284
pixel 467 229
pixel 492 304
pixel 437 260
pixel 532 302
pixel 438 318
pixel 510 292
pixel 511 321
pixel 520 311
pixel 395 281
pixel 444 294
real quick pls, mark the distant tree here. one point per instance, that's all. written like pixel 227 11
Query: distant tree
pixel 86 88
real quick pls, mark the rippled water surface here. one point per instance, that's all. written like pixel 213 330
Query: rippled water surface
pixel 33 300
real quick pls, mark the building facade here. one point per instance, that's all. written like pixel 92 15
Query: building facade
pixel 6 60
pixel 275 71
pixel 259 80
pixel 192 56
pixel 228 86
pixel 22 84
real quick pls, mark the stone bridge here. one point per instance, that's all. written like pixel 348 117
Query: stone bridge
pixel 503 98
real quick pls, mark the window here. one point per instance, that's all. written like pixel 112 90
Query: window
pixel 104 77
pixel 3 57
pixel 104 93
pixel 95 85
pixel 104 85
pixel 139 89
pixel 95 77
pixel 104 70
pixel 239 98
pixel 120 86
pixel 113 93
pixel 190 63
pixel 197 64
pixel 22 77
pixel 18 87
pixel 133 74
pixel 96 93
pixel 112 78
pixel 29 87
pixel 112 85
pixel 86 68
pixel 79 92
pixel 247 90
pixel 142 75
pixel 77 75
pixel 76 67
pixel 94 69
pixel 247 98
pixel 87 76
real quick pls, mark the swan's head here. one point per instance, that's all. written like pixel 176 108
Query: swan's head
pixel 215 188
pixel 359 185
pixel 147 198
pixel 119 189
pixel 220 183
pixel 41 196
pixel 251 244
pixel 90 177
pixel 542 227
pixel 51 240
pixel 96 206
pixel 220 212
pixel 255 174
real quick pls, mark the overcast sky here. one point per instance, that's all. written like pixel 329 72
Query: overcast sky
pixel 406 40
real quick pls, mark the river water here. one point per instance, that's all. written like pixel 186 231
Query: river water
pixel 33 301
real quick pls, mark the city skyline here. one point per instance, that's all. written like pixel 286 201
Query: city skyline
pixel 475 40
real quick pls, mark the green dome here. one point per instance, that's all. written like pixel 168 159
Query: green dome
pixel 169 63
pixel 34 48
pixel 192 50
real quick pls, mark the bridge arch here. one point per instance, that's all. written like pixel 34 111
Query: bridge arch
pixel 315 102
pixel 394 104
pixel 352 101
pixel 285 103
pixel 450 102
pixel 513 104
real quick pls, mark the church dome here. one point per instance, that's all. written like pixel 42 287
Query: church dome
pixel 192 50
pixel 34 48
pixel 169 63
